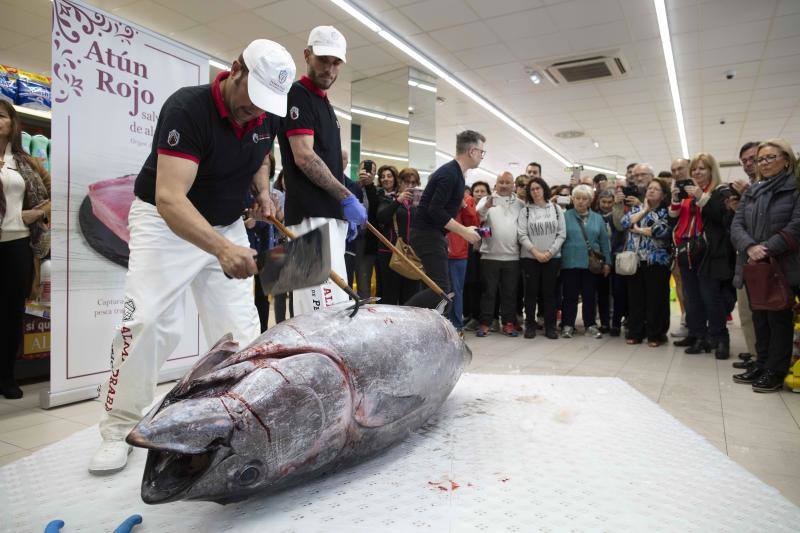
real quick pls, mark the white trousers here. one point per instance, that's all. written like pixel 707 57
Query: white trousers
pixel 323 296
pixel 161 268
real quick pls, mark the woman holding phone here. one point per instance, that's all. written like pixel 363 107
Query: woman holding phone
pixel 395 213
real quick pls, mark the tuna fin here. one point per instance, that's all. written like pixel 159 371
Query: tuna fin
pixel 379 409
pixel 218 353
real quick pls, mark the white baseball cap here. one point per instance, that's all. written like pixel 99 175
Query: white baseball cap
pixel 271 75
pixel 328 41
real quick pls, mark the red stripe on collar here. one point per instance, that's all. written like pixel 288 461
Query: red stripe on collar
pixel 216 93
pixel 308 84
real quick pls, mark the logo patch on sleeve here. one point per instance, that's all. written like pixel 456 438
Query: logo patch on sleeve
pixel 294 113
pixel 173 138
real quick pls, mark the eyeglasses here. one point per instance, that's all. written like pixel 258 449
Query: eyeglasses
pixel 767 159
pixel 483 152
pixel 641 174
pixel 520 185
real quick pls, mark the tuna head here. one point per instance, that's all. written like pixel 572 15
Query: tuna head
pixel 226 442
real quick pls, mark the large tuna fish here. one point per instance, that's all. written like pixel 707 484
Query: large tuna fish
pixel 311 395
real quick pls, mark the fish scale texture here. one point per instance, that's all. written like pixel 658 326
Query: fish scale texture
pixel 503 454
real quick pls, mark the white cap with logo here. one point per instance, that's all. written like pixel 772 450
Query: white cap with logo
pixel 271 75
pixel 328 41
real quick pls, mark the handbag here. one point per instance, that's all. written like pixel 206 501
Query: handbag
pixel 692 249
pixel 627 263
pixel 765 282
pixel 397 264
pixel 596 259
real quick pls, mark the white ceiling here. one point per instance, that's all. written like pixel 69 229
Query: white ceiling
pixel 489 43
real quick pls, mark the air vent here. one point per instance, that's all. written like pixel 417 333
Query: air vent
pixel 608 65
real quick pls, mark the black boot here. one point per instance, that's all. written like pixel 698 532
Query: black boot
pixel 10 390
pixel 747 365
pixel 686 341
pixel 748 377
pixel 770 381
pixel 723 350
pixel 699 346
pixel 530 331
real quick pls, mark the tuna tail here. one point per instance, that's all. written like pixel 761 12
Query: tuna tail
pixel 192 426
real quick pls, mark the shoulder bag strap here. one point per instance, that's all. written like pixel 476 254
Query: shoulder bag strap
pixel 583 230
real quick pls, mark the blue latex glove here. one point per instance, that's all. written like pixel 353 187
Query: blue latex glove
pixel 54 526
pixel 354 212
pixel 352 231
pixel 129 523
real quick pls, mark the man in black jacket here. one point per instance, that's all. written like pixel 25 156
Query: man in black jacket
pixel 436 213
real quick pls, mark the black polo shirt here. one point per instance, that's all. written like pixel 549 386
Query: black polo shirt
pixel 195 125
pixel 441 199
pixel 310 113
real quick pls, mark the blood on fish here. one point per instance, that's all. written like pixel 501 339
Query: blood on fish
pixel 372 310
pixel 454 485
pixel 237 397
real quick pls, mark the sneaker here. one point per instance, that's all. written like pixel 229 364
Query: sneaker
pixel 495 327
pixel 592 331
pixel 604 329
pixel 483 330
pixel 551 334
pixel 567 332
pixel 682 331
pixel 110 458
pixel 472 325
pixel 530 331
pixel 510 330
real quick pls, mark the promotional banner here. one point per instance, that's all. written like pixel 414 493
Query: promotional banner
pixel 110 79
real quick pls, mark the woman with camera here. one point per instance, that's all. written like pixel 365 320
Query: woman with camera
pixel 760 238
pixel 24 238
pixel 541 231
pixel 648 288
pixel 394 215
pixel 705 256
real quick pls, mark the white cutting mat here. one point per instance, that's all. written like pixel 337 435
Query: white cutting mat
pixel 505 454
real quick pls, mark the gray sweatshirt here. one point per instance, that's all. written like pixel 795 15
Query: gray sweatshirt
pixel 502 218
pixel 543 228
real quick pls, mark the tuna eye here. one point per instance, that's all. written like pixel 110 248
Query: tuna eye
pixel 249 475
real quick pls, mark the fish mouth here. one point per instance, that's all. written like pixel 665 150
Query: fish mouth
pixel 169 475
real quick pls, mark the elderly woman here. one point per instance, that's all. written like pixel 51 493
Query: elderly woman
pixel 648 290
pixel 24 210
pixel 586 232
pixel 705 257
pixel 758 237
pixel 541 232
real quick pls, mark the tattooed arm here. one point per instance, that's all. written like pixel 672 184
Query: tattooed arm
pixel 314 168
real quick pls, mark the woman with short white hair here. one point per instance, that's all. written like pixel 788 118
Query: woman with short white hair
pixel 585 255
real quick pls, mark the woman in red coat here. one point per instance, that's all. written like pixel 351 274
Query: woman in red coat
pixel 457 253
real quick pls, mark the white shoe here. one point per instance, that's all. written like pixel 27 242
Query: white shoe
pixel 567 332
pixel 110 458
pixel 682 331
pixel 592 331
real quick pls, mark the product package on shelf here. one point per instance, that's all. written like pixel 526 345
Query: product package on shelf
pixel 39 149
pixel 33 90
pixel 8 84
pixel 26 142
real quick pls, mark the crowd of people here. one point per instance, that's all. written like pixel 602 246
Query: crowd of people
pixel 611 247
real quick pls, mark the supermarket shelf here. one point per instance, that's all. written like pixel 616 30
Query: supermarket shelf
pixel 33 113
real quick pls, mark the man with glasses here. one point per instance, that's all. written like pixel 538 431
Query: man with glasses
pixel 642 175
pixel 519 185
pixel 747 157
pixel 436 213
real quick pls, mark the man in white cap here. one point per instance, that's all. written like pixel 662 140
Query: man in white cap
pixel 311 151
pixel 211 145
